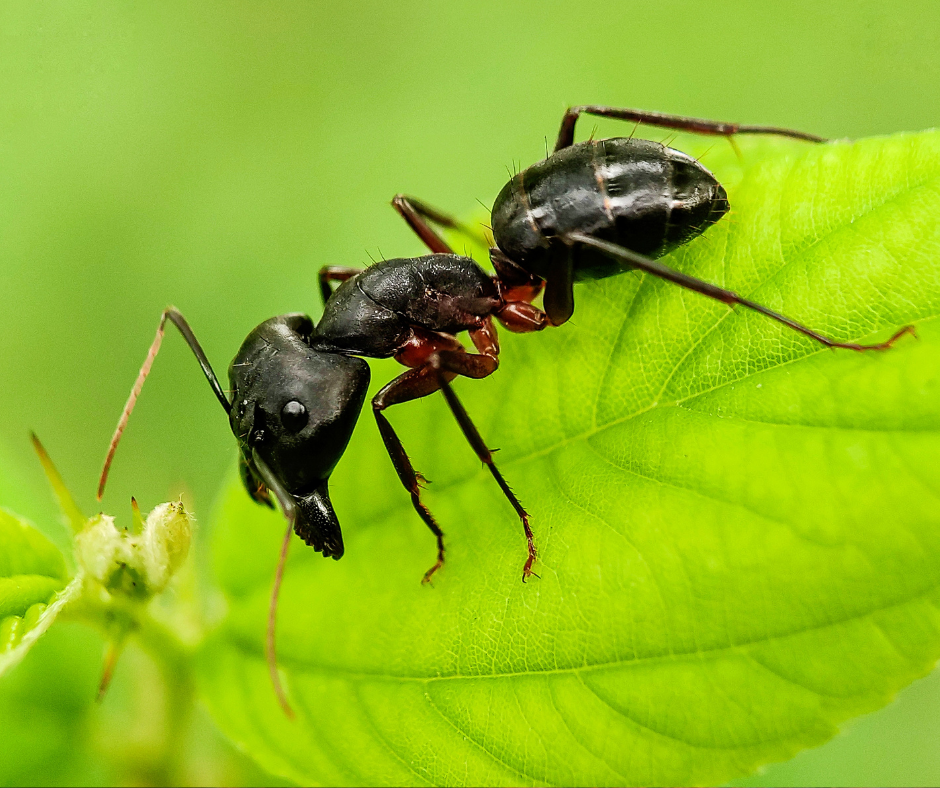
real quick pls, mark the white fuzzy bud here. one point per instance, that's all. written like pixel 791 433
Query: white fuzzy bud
pixel 101 549
pixel 136 565
pixel 164 543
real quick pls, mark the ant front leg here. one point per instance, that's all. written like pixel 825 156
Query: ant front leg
pixel 334 273
pixel 445 363
pixel 661 271
pixel 661 119
pixel 518 289
pixel 420 216
pixel 413 384
pixel 444 359
pixel 420 381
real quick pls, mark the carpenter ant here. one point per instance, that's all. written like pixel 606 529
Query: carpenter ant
pixel 590 210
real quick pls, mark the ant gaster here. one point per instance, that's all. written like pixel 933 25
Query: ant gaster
pixel 588 211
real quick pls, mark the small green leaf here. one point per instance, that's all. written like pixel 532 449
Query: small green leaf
pixel 739 531
pixel 20 593
pixel 25 551
pixel 32 570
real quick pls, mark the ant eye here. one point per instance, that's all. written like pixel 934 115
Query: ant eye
pixel 294 416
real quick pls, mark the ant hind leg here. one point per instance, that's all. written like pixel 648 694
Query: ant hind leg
pixel 658 269
pixel 663 120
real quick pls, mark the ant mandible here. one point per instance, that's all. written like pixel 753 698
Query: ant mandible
pixel 588 211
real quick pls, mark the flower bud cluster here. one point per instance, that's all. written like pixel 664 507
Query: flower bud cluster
pixel 137 565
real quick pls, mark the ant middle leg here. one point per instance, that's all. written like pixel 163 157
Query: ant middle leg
pixel 662 271
pixel 661 119
pixel 334 273
pixel 421 216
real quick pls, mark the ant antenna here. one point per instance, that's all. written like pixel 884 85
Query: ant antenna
pixel 173 315
pixel 129 405
pixel 269 641
pixel 286 501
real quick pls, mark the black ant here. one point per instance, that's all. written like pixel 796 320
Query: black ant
pixel 588 211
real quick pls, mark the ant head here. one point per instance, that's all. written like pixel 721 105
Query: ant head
pixel 296 407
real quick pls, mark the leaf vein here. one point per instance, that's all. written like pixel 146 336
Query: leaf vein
pixel 467 737
pixel 250 647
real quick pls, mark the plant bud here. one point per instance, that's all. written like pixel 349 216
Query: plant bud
pixel 101 549
pixel 136 566
pixel 164 543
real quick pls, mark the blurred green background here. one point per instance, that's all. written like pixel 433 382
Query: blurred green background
pixel 214 155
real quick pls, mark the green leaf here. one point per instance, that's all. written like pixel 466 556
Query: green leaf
pixel 739 531
pixel 32 570
pixel 25 551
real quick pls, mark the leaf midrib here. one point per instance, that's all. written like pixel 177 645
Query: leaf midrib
pixel 249 647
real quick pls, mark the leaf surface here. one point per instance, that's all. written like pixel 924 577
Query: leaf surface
pixel 32 570
pixel 739 531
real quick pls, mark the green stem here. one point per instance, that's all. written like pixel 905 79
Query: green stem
pixel 117 618
pixel 174 659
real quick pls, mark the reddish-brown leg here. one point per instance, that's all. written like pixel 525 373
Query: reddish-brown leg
pixel 522 318
pixel 469 365
pixel 515 285
pixel 417 382
pixel 436 360
pixel 413 384
pixel 518 289
pixel 334 273
pixel 420 216
pixel 485 340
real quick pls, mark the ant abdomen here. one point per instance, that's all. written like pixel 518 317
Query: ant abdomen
pixel 635 193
